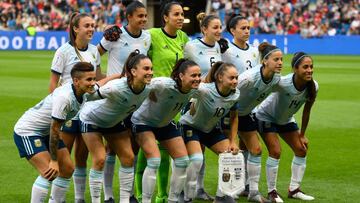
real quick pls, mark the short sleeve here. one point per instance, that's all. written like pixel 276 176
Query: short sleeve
pixel 58 62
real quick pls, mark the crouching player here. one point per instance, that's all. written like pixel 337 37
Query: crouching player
pixel 276 117
pixel 42 123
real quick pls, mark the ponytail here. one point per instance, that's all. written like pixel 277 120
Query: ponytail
pixel 217 69
pixel 131 63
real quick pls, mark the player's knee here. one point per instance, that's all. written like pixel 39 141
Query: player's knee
pixel 99 163
pixel 256 150
pixel 182 162
pixel 67 170
pixel 153 163
pixel 275 153
pixel 127 159
pixel 301 152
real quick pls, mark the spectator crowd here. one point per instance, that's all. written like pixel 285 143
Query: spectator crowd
pixel 310 18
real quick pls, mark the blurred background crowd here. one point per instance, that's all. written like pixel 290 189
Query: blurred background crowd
pixel 310 18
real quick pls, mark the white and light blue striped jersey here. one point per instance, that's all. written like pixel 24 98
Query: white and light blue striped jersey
pixel 203 54
pixel 61 105
pixel 210 107
pixel 120 49
pixel 65 58
pixel 283 103
pixel 243 59
pixel 119 102
pixel 254 89
pixel 169 101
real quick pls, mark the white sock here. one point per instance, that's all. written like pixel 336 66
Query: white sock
pixel 272 167
pixel 79 177
pixel 39 190
pixel 298 166
pixel 126 176
pixel 95 182
pixel 254 170
pixel 178 177
pixel 108 176
pixel 192 172
pixel 201 176
pixel 58 189
pixel 149 179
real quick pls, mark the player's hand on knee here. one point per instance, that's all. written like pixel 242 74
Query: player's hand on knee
pixel 53 171
pixel 304 142
pixel 112 33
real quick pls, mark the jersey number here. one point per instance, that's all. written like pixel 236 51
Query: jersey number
pixel 261 97
pixel 294 103
pixel 212 61
pixel 219 112
pixel 132 108
pixel 178 106
pixel 39 105
pixel 249 63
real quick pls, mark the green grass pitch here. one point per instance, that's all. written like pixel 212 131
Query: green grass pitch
pixel 333 163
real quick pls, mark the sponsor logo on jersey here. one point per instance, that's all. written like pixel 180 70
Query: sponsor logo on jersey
pixel 68 123
pixel 37 143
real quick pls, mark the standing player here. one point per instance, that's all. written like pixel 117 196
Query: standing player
pixel 133 37
pixel 276 117
pixel 153 121
pixel 42 123
pixel 205 51
pixel 244 56
pixel 212 101
pixel 167 47
pixel 109 118
pixel 82 27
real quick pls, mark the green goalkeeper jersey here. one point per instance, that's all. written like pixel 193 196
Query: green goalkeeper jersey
pixel 165 50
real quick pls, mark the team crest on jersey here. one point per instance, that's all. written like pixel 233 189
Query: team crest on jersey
pixel 166 47
pixel 237 56
pixel 37 143
pixel 189 133
pixel 68 123
pixel 126 44
pixel 93 55
pixel 217 51
pixel 145 43
pixel 226 175
pixel 200 53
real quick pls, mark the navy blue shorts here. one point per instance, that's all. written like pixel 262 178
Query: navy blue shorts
pixel 28 146
pixel 208 139
pixel 87 128
pixel 247 123
pixel 269 127
pixel 164 133
pixel 72 127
